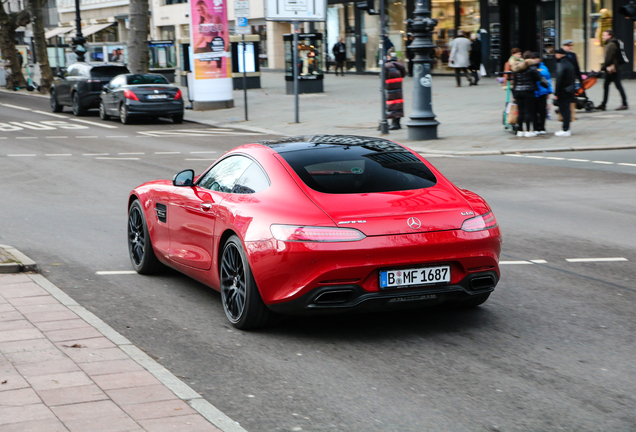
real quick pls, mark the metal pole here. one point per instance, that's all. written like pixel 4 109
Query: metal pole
pixel 384 125
pixel 244 76
pixel 295 59
pixel 422 125
pixel 79 40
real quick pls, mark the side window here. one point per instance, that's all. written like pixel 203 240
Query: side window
pixel 224 175
pixel 118 82
pixel 253 180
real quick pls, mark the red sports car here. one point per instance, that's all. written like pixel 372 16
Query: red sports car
pixel 318 224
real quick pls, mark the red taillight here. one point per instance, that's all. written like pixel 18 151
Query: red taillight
pixel 130 95
pixel 178 95
pixel 480 223
pixel 295 233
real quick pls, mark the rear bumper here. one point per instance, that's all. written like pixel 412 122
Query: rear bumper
pixel 90 100
pixel 168 108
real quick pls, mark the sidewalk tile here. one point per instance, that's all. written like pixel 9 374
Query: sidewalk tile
pixel 35 356
pixel 103 408
pixel 14 278
pixel 125 380
pixel 25 345
pixel 110 367
pixel 62 325
pixel 40 308
pixel 10 316
pixel 90 343
pixel 19 324
pixel 10 379
pixel 88 355
pixel 48 425
pixel 16 335
pixel 36 317
pixel 24 289
pixel 37 300
pixel 60 380
pixel 25 413
pixel 135 395
pixel 73 333
pixel 6 307
pixel 190 423
pixel 20 397
pixel 112 423
pixel 47 367
pixel 152 410
pixel 72 395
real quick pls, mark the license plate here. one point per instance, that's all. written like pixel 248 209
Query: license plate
pixel 414 277
pixel 158 96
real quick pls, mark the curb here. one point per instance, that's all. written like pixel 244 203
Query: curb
pixel 167 378
pixel 22 262
pixel 517 151
pixel 34 93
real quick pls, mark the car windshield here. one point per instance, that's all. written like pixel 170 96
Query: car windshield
pixel 375 166
pixel 146 79
pixel 108 72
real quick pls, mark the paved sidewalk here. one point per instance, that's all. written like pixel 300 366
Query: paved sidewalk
pixel 470 117
pixel 63 369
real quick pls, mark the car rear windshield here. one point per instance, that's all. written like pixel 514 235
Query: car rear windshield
pixel 146 79
pixel 340 169
pixel 108 72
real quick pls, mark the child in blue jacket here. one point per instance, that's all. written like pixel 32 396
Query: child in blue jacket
pixel 541 98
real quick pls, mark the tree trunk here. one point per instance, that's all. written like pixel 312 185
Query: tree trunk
pixel 8 24
pixel 35 9
pixel 138 36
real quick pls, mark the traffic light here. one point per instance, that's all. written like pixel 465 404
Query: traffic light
pixel 629 10
pixel 367 5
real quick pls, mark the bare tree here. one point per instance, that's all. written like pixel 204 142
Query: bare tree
pixel 9 22
pixel 37 20
pixel 138 36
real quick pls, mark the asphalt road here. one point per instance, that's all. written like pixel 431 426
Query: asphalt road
pixel 553 348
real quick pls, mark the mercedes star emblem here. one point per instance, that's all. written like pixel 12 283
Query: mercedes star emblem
pixel 414 223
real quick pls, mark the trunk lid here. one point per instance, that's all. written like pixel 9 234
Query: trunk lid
pixel 154 92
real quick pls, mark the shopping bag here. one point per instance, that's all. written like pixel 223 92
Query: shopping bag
pixel 512 110
pixel 482 70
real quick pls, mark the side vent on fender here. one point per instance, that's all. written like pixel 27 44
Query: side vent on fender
pixel 161 211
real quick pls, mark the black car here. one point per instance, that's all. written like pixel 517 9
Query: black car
pixel 81 84
pixel 148 95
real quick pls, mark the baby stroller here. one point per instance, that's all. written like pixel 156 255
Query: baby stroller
pixel 581 99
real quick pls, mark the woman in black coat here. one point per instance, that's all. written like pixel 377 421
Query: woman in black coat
pixel 475 58
pixel 395 71
pixel 525 84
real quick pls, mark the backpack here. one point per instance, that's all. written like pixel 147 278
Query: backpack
pixel 622 58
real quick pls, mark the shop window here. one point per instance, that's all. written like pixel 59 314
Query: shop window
pixel 600 19
pixel 162 54
pixel 444 33
pixel 573 26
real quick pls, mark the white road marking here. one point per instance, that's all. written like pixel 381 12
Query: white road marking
pixel 94 124
pixel 16 107
pixel 4 138
pixel 138 153
pixel 86 136
pixel 32 125
pixel 201 152
pixel 116 136
pixel 26 137
pixel 555 158
pixel 21 155
pixel 514 262
pixel 579 160
pixel 536 157
pixel 166 153
pixel 627 164
pixel 59 154
pixel 50 114
pixel 539 261
pixel 577 260
pixel 95 154
pixel 55 137
pixel 116 158
pixel 115 272
pixel 515 155
pixel 603 162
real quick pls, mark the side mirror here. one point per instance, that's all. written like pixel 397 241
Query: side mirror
pixel 184 178
pixel 106 88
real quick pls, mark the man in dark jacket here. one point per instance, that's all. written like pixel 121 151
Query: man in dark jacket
pixel 340 54
pixel 568 46
pixel 475 58
pixel 564 90
pixel 611 67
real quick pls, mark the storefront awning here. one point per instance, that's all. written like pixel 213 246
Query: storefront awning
pixel 57 32
pixel 89 30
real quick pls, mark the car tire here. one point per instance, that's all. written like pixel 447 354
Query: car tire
pixel 55 106
pixel 242 302
pixel 177 118
pixel 78 109
pixel 123 114
pixel 102 112
pixel 142 255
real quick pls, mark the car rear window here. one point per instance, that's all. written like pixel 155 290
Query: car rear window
pixel 108 72
pixel 146 79
pixel 341 169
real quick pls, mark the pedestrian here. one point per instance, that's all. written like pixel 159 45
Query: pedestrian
pixel 515 57
pixel 568 46
pixel 475 57
pixel 20 58
pixel 564 90
pixel 395 72
pixel 340 54
pixel 459 57
pixel 410 54
pixel 526 77
pixel 611 67
pixel 541 97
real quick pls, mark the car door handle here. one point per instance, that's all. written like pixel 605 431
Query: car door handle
pixel 206 206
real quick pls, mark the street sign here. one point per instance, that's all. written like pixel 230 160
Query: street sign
pixel 241 9
pixel 296 10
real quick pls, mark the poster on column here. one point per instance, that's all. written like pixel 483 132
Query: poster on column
pixel 211 50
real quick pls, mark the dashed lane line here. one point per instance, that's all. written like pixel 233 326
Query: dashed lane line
pixel 58 154
pixel 95 154
pixel 21 155
pixel 167 153
pixel 29 137
pixel 117 136
pixel 626 164
pixel 603 162
pixel 87 136
pixel 115 272
pixel 572 160
pixel 107 126
pixel 116 158
pixel 56 137
pixel 578 160
pixel 50 114
pixel 16 107
pixel 128 154
pixel 579 260
pixel 520 262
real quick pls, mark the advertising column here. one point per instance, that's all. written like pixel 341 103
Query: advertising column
pixel 211 55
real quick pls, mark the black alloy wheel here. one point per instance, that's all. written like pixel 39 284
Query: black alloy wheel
pixel 78 109
pixel 242 302
pixel 142 255
pixel 123 114
pixel 102 111
pixel 55 106
pixel 177 118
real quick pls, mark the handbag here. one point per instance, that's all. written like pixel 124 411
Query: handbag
pixel 512 111
pixel 482 70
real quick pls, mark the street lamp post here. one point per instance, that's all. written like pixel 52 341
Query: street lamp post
pixel 422 125
pixel 79 40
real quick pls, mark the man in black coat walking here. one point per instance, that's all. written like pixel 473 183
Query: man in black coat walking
pixel 564 90
pixel 340 54
pixel 568 46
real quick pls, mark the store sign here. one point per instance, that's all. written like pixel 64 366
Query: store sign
pixel 211 56
pixel 296 10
